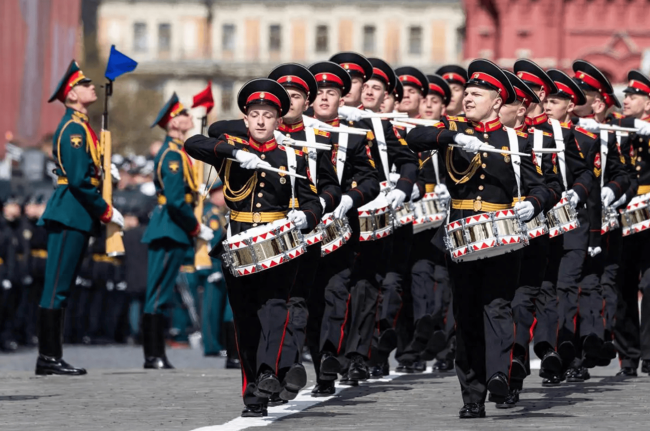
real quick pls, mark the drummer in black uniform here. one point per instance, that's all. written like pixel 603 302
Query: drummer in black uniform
pixel 255 197
pixel 479 182
pixel 456 77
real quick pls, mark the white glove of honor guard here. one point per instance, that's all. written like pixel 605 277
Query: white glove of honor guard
pixel 593 251
pixel 350 113
pixel 396 198
pixel 249 161
pixel 298 218
pixel 205 233
pixel 524 210
pixel 643 126
pixel 573 197
pixel 619 202
pixel 442 191
pixel 215 277
pixel 312 122
pixel 322 203
pixel 344 206
pixel 115 173
pixel 471 144
pixel 117 218
pixel 589 124
pixel 607 196
pixel 415 194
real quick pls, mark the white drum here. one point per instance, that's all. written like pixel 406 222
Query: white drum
pixel 562 218
pixel 636 216
pixel 609 220
pixel 336 232
pixel 375 220
pixel 537 226
pixel 403 215
pixel 429 212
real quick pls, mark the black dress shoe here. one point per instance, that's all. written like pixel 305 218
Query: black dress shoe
pixel 347 381
pixel 552 381
pixel 305 356
pixel 577 375
pixel 254 411
pixel 444 365
pixel 498 386
pixel 567 352
pixel 627 372
pixel 9 346
pixel 435 345
pixel 551 366
pixel 376 372
pixel 323 389
pixel 275 400
pixel 518 369
pixel 294 381
pixel 510 401
pixel 592 346
pixel 330 367
pixel 358 369
pixel 232 364
pixel 404 368
pixel 419 366
pixel 645 366
pixel 472 411
pixel 157 363
pixel 609 350
pixel 52 366
pixel 386 343
pixel 267 385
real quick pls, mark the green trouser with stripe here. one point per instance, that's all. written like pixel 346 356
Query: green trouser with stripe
pixel 66 248
pixel 165 260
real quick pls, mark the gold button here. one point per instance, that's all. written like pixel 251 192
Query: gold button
pixel 640 149
pixel 638 168
pixel 478 198
pixel 485 154
pixel 482 176
pixel 481 187
pixel 254 224
pixel 638 159
pixel 263 174
pixel 484 166
pixel 486 136
pixel 261 184
pixel 258 205
pixel 262 157
pixel 259 195
pixel 478 205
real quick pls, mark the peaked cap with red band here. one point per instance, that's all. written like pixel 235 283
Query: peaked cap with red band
pixel 398 92
pixel 438 85
pixel 293 75
pixel 638 83
pixel 330 74
pixel 567 87
pixel 524 93
pixel 73 76
pixel 355 64
pixel 533 75
pixel 384 73
pixel 408 75
pixel 172 108
pixel 453 74
pixel 590 78
pixel 264 91
pixel 484 73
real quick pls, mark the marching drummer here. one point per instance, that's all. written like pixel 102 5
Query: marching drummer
pixel 257 173
pixel 456 77
pixel 482 181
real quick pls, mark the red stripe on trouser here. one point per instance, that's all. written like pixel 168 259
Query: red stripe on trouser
pixel 532 329
pixel 602 313
pixel 243 372
pixel 345 321
pixel 284 332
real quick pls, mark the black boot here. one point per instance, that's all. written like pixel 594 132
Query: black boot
pixel 153 342
pixel 50 345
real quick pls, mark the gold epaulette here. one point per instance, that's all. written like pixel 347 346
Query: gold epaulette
pixel 460 119
pixel 322 133
pixel 586 132
pixel 235 139
pixel 547 134
pixel 370 136
pixel 566 125
pixel 522 134
pixel 618 115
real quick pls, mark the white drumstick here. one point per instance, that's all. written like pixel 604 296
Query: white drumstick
pixel 297 143
pixel 494 150
pixel 279 171
pixel 344 129
pixel 548 150
pixel 617 128
pixel 420 121
pixel 400 124
pixel 385 115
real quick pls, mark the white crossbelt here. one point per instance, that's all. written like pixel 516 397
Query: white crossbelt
pixel 381 145
pixel 604 150
pixel 515 159
pixel 311 155
pixel 559 144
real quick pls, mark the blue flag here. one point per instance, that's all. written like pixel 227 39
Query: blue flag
pixel 119 64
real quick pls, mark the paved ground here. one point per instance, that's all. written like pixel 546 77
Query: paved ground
pixel 118 395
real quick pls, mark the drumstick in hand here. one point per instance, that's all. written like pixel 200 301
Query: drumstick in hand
pixel 490 149
pixel 272 169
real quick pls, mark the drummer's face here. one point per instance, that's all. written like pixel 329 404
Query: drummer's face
pixel 586 109
pixel 480 104
pixel 299 104
pixel 431 107
pixel 389 104
pixel 509 113
pixel 262 120
pixel 326 105
pixel 634 105
pixel 557 108
pixel 373 94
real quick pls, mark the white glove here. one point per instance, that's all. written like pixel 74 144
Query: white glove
pixel 593 251
pixel 396 198
pixel 643 126
pixel 415 194
pixel 393 177
pixel 117 218
pixel 249 161
pixel 215 277
pixel 27 280
pixel 442 191
pixel 312 122
pixel 6 284
pixel 607 196
pixel 350 113
pixel 298 218
pixel 573 197
pixel 280 138
pixel 205 233
pixel 322 203
pixel 471 144
pixel 589 124
pixel 619 202
pixel 115 173
pixel 121 286
pixel 524 210
pixel 344 206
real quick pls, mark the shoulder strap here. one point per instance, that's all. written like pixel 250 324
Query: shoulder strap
pixel 341 155
pixel 559 143
pixel 292 165
pixel 604 150
pixel 538 143
pixel 311 155
pixel 381 145
pixel 515 158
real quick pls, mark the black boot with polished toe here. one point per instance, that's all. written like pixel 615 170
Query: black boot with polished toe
pixel 50 345
pixel 267 385
pixel 255 411
pixel 294 381
pixel 497 386
pixel 645 366
pixel 358 368
pixel 551 365
pixel 472 411
pixel 330 366
pixel 627 372
pixel 323 389
pixel 153 342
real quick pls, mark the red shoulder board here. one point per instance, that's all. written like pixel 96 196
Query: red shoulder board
pixel 522 134
pixel 460 119
pixel 322 133
pixel 586 132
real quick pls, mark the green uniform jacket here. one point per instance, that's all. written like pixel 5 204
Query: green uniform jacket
pixel 214 219
pixel 77 201
pixel 175 184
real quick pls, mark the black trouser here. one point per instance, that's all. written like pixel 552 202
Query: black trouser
pixel 298 308
pixel 530 299
pixel 371 262
pixel 568 290
pixel 397 276
pixel 611 278
pixel 260 311
pixel 590 301
pixel 27 311
pixel 633 338
pixel 547 302
pixel 485 330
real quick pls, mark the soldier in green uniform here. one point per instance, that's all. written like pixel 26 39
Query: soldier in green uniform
pixel 72 214
pixel 172 227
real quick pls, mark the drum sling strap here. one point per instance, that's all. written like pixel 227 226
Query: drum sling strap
pixel 561 156
pixel 604 150
pixel 382 147
pixel 538 144
pixel 515 158
pixel 341 155
pixel 311 155
pixel 292 166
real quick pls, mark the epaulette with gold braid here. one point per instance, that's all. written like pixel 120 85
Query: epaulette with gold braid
pixel 586 132
pixel 235 139
pixel 322 133
pixel 370 136
pixel 618 115
pixel 460 119
pixel 522 134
